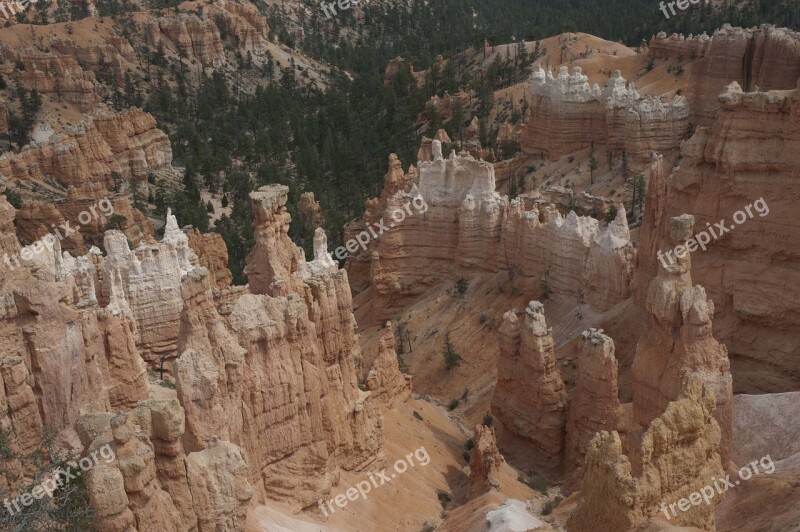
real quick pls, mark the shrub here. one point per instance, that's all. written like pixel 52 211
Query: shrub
pixel 550 505
pixel 417 415
pixel 469 444
pixel 467 456
pixel 451 357
pixel 444 498
pixel 452 405
pixel 488 419
pixel 535 482
pixel 427 527
pixel 461 286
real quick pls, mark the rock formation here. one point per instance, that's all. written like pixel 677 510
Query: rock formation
pixel 567 114
pixel 679 342
pixel 594 405
pixel 150 483
pixel 529 398
pixel 465 223
pixel 277 375
pixel 679 454
pixel 385 380
pixel 764 58
pixel 150 277
pixel 128 144
pixel 745 161
pixel 300 377
pixel 212 254
pixel 484 465
pixel 310 212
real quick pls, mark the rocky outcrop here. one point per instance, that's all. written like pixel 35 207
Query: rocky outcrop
pixel 594 405
pixel 529 398
pixel 310 212
pixel 52 74
pixel 150 483
pixel 747 160
pixel 150 277
pixel 758 59
pixel 189 36
pixel 676 46
pixel 567 114
pixel 463 222
pixel 212 254
pixel 679 342
pixel 484 465
pixel 385 380
pixel 220 491
pixel 128 144
pixel 306 419
pixel 679 454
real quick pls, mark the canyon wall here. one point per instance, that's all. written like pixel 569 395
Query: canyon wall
pixel 568 115
pixel 746 160
pixel 266 401
pixel 758 59
pixel 453 219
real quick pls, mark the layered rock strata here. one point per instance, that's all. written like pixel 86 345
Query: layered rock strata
pixel 679 342
pixel 150 278
pixel 529 398
pixel 305 418
pixel 484 465
pixel 466 224
pixel 567 114
pixel 758 59
pixel 594 405
pixel 385 380
pixel 128 144
pixel 747 160
pixel 678 455
pixel 148 482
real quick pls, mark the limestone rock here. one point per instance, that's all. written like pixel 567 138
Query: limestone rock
pixel 529 398
pixel 485 462
pixel 567 114
pixel 679 342
pixel 679 454
pixel 220 490
pixel 595 405
pixel 212 254
pixel 385 380
pixel 764 58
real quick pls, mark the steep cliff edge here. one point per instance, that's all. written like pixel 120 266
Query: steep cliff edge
pixel 739 174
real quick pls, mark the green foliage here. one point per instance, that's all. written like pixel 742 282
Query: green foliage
pixel 535 482
pixel 488 419
pixel 451 357
pixel 116 221
pixel 550 505
pixel 612 214
pixel 444 498
pixel 417 415
pixel 469 444
pixel 462 285
pixel 452 405
pixel 14 198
